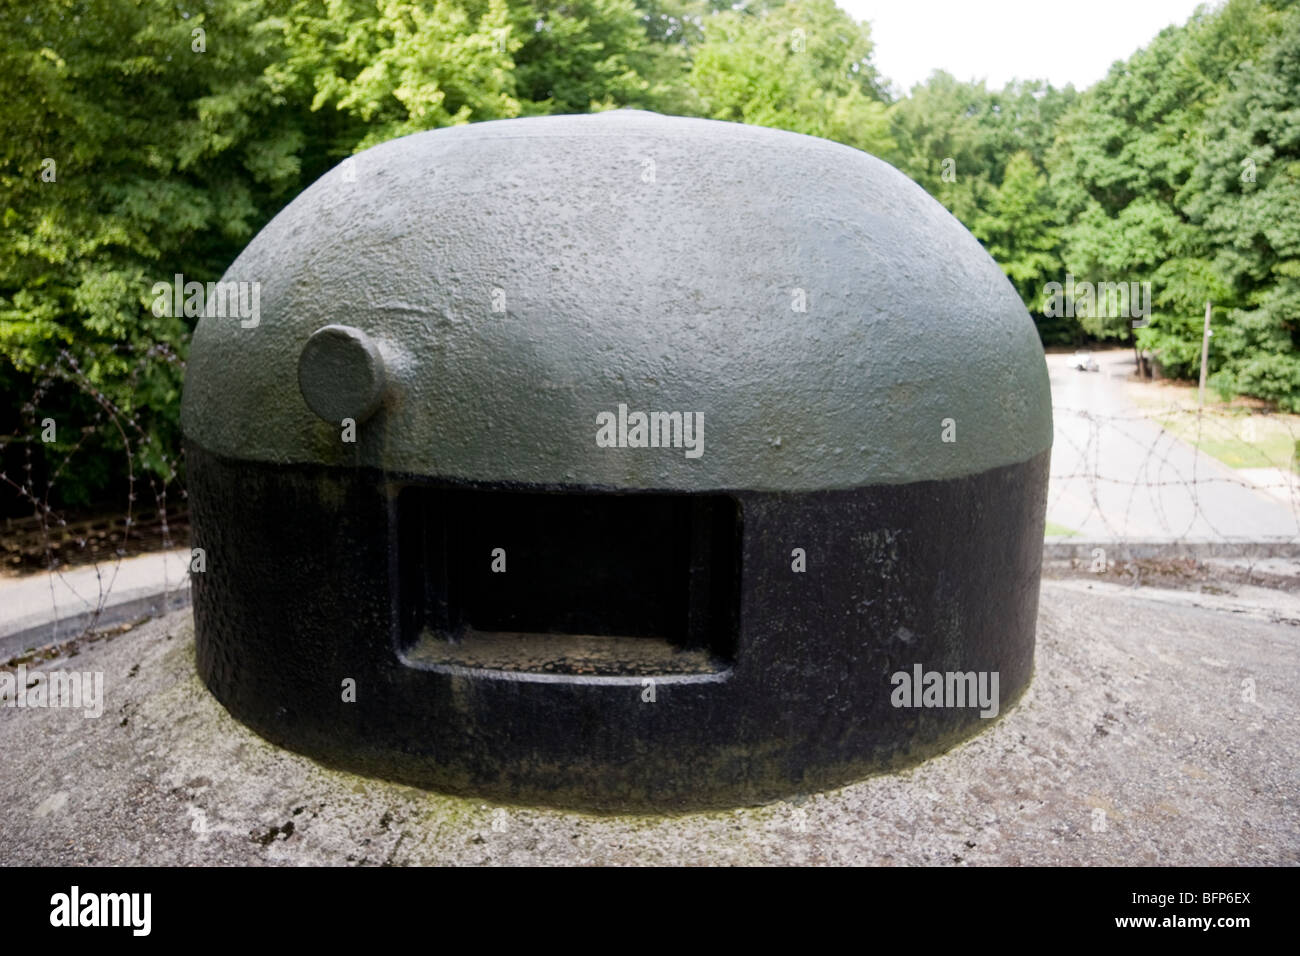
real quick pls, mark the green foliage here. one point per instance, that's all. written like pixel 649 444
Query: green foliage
pixel 1123 170
pixel 135 147
pixel 173 136
pixel 983 155
pixel 124 156
pixel 1244 196
pixel 588 55
pixel 393 67
pixel 1018 230
pixel 800 66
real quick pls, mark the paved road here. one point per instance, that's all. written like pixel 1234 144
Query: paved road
pixel 1118 475
pixel 39 609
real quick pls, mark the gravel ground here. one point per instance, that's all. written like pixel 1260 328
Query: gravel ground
pixel 1161 729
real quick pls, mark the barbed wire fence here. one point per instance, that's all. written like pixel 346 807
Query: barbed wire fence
pixel 1161 474
pixel 1117 478
pixel 54 540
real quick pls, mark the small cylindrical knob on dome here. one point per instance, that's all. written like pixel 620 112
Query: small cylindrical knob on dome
pixel 341 374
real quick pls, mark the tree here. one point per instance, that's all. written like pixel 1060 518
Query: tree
pixel 1121 167
pixel 1018 229
pixel 802 66
pixel 983 154
pixel 135 143
pixel 1244 195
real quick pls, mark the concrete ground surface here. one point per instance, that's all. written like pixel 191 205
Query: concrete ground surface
pixel 1160 729
pixel 38 609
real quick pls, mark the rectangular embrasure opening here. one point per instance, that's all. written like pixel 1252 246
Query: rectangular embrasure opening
pixel 567 583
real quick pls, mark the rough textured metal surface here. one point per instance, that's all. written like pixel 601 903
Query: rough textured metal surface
pixel 827 320
pixel 299 596
pixel 341 374
pixel 653 261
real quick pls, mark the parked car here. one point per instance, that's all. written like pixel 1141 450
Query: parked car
pixel 1084 362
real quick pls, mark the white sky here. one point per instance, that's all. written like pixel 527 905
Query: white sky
pixel 1062 41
